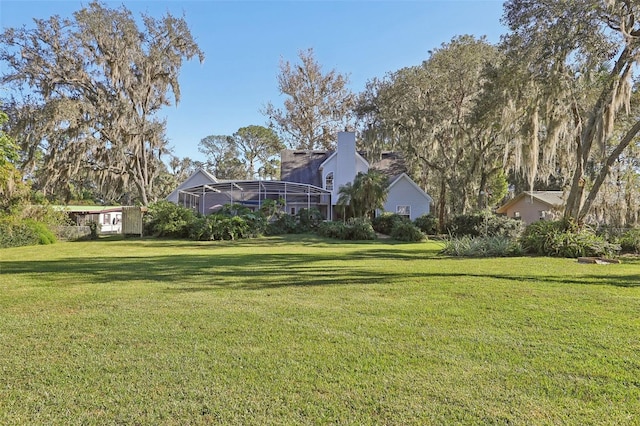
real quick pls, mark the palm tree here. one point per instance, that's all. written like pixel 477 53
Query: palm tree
pixel 370 192
pixel 367 193
pixel 346 200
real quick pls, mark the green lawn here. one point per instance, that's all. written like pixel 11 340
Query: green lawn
pixel 301 330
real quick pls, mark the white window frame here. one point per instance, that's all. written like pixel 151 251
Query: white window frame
pixel 404 210
pixel 328 181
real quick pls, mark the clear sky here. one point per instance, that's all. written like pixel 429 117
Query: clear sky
pixel 244 42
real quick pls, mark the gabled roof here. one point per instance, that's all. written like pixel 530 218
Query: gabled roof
pixel 391 164
pixel 553 199
pixel 404 176
pixel 188 183
pixel 336 153
pixel 303 165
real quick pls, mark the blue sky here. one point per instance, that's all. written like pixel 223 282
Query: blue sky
pixel 244 42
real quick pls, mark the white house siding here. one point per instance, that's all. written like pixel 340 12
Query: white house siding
pixel 345 164
pixel 403 192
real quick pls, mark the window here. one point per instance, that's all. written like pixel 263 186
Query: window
pixel 293 211
pixel 106 220
pixel 328 182
pixel 516 215
pixel 404 211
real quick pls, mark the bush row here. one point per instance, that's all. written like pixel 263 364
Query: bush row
pixel 166 219
pixel 484 224
pixel 546 238
pixel 402 229
pixel 477 234
pixel 233 221
pixel 353 229
pixel 561 239
pixel 492 246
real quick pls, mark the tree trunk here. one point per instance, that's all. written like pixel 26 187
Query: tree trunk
pixel 442 204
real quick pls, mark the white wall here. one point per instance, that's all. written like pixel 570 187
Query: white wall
pixel 346 160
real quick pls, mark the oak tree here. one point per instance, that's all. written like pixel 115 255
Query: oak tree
pixel 571 76
pixel 95 86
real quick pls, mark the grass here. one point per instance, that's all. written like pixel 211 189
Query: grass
pixel 301 330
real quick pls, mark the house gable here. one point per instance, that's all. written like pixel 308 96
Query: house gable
pixel 331 167
pixel 197 178
pixel 406 197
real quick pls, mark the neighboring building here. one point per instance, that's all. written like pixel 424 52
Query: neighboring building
pixel 308 179
pixel 531 206
pixel 109 217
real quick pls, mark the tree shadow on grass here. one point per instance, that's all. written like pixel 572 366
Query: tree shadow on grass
pixel 245 271
pixel 254 271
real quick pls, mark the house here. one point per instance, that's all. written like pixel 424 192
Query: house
pixel 531 206
pixel 332 169
pixel 109 217
pixel 308 178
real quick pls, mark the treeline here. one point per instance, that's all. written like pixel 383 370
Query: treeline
pixel 553 105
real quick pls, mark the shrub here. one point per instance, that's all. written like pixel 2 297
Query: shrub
pixel 94 230
pixel 45 235
pixel 359 228
pixel 630 241
pixel 560 239
pixel 427 223
pixel 538 236
pixel 385 222
pixel 234 210
pixel 200 229
pixel 15 232
pixel 496 246
pixel 335 230
pixel 406 231
pixel 220 227
pixel 484 224
pixel 354 229
pixel 166 219
pixel 284 224
pixel 256 222
pixel 309 219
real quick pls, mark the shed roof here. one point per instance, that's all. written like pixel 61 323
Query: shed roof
pixel 89 209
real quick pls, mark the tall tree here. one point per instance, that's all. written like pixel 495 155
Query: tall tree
pixel 97 83
pixel 222 157
pixel 317 106
pixel 11 186
pixel 258 147
pixel 429 112
pixel 570 76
